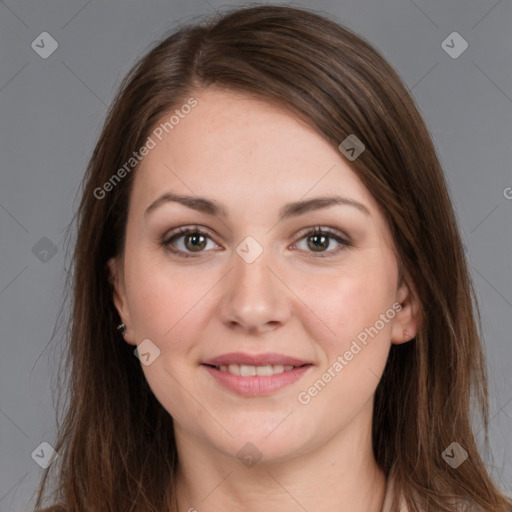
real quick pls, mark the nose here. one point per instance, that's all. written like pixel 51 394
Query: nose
pixel 254 298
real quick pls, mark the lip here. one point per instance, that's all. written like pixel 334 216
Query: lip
pixel 256 385
pixel 254 359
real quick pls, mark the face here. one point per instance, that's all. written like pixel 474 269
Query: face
pixel 301 297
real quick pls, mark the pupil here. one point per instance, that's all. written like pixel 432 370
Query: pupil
pixel 195 243
pixel 321 244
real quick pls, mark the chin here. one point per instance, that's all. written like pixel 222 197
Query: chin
pixel 262 451
pixel 268 442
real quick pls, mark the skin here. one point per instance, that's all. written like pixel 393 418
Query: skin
pixel 289 300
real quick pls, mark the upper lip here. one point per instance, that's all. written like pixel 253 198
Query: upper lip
pixel 269 358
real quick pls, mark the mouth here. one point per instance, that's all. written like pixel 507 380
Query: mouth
pixel 255 375
pixel 245 370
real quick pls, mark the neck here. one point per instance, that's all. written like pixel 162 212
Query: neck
pixel 340 475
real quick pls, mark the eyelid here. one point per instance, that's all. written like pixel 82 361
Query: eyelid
pixel 323 229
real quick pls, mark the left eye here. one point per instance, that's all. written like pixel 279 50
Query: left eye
pixel 319 239
pixel 195 240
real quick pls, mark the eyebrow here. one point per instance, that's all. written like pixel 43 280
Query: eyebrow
pixel 212 207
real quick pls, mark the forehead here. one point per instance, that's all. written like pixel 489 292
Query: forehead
pixel 238 149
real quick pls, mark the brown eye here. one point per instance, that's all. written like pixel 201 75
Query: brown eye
pixel 195 241
pixel 185 241
pixel 319 240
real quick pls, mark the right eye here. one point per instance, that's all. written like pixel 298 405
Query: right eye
pixel 194 240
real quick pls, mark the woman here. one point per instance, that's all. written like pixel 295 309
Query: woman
pixel 272 306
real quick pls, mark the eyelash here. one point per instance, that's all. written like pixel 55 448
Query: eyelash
pixel 331 233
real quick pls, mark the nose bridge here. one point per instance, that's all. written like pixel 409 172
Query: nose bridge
pixel 255 298
pixel 251 272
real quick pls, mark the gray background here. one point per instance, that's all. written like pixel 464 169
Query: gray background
pixel 51 112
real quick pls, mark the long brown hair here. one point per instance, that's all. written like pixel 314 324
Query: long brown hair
pixel 116 446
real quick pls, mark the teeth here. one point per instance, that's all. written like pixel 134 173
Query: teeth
pixel 234 369
pixel 246 371
pixel 265 371
pixel 250 371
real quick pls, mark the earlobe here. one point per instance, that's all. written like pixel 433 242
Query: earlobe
pixel 406 322
pixel 118 296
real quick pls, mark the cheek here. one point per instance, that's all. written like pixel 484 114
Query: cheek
pixel 160 295
pixel 167 302
pixel 355 356
pixel 351 300
pixel 357 307
pixel 167 308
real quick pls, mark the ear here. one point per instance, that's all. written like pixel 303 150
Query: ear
pixel 116 278
pixel 406 322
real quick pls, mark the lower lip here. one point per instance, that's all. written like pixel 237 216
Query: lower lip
pixel 257 385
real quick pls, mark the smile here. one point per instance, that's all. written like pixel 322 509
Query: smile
pixel 246 380
pixel 249 371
